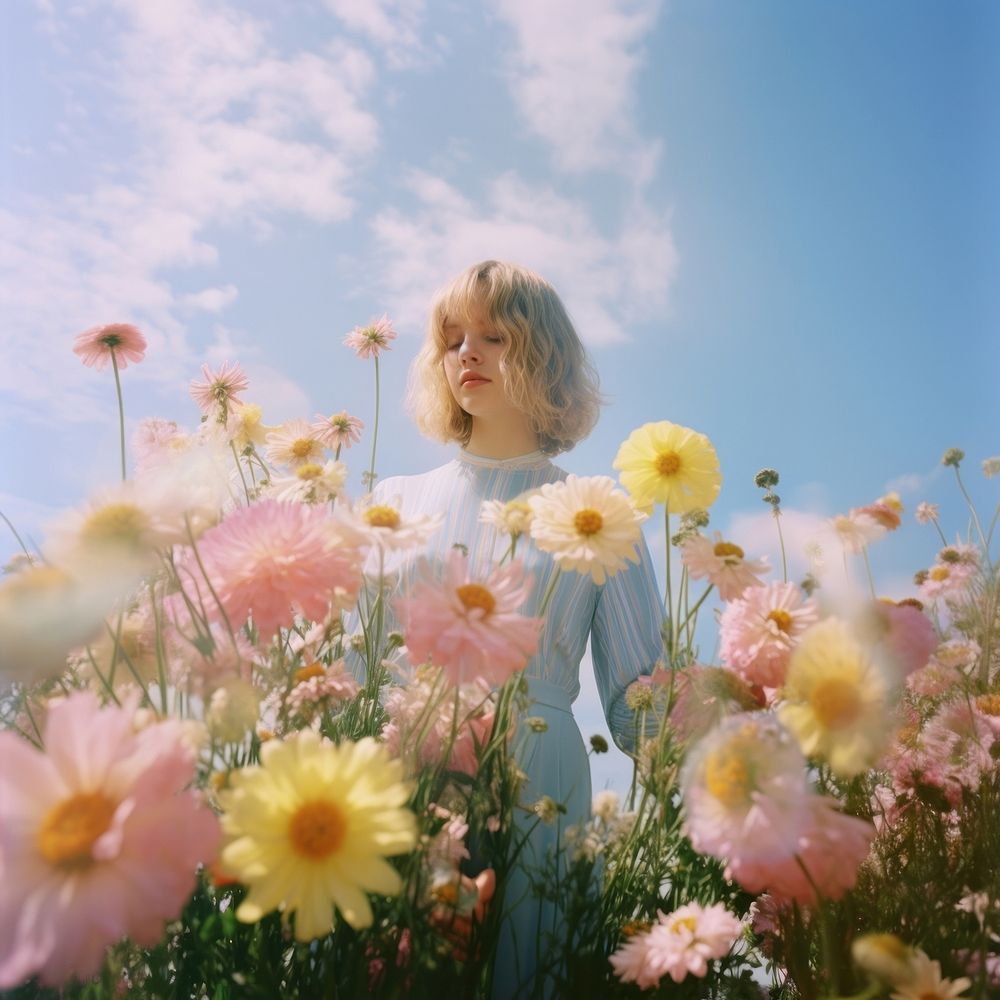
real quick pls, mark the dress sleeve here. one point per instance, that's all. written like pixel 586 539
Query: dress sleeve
pixel 626 641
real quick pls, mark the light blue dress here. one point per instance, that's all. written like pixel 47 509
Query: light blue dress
pixel 622 618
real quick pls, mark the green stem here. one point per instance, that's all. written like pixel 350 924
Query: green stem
pixel 549 592
pixel 868 570
pixel 20 541
pixel 698 604
pixel 371 469
pixel 121 411
pixel 239 469
pixel 944 541
pixel 669 599
pixel 972 507
pixel 989 534
pixel 781 542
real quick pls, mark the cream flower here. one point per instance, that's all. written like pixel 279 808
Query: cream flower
pixel 856 530
pixel 293 444
pixel 587 525
pixel 384 526
pixel 513 518
pixel 310 483
pixel 927 983
pixel 669 464
pixel 310 828
pixel 835 699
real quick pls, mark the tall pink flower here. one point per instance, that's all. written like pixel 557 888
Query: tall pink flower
pixel 902 631
pixel 99 838
pixel 272 559
pixel 723 563
pixel 471 628
pixel 339 430
pixel 217 390
pixel 95 346
pixel 371 340
pixel 759 631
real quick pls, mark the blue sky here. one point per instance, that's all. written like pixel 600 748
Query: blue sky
pixel 776 223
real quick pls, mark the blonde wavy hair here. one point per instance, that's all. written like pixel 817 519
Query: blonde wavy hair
pixel 547 372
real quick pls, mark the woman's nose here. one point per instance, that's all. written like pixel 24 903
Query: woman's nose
pixel 468 351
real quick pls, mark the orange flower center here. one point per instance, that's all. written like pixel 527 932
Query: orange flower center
pixel 303 447
pixel 317 829
pixel 726 550
pixel 309 471
pixel 382 517
pixel 781 618
pixel 939 573
pixel 116 524
pixel 727 776
pixel 683 924
pixel 69 830
pixel 474 595
pixel 309 671
pixel 588 522
pixel 668 463
pixel 989 704
pixel 446 893
pixel 835 703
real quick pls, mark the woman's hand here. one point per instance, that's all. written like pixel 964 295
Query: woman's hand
pixel 458 927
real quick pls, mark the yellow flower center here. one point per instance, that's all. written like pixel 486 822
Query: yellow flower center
pixel 69 830
pixel 781 618
pixel 317 829
pixel 588 522
pixel 634 927
pixel 309 671
pixel 727 776
pixel 446 893
pixel 473 595
pixel 117 524
pixel 382 517
pixel 939 573
pixel 668 463
pixel 310 470
pixel 303 447
pixel 835 702
pixel 683 924
pixel 726 550
pixel 989 704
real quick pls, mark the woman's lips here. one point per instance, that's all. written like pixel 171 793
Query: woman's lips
pixel 472 383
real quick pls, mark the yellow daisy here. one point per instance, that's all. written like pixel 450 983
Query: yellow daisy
pixel 834 699
pixel 310 827
pixel 669 464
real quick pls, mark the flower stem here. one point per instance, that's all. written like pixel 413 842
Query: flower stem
pixel 121 412
pixel 669 599
pixel 371 469
pixel 20 541
pixel 239 469
pixel 868 570
pixel 781 542
pixel 972 507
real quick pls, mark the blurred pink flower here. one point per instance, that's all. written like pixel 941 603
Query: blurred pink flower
pixel 471 629
pixel 704 696
pixel 272 559
pixel 218 389
pixel 856 530
pixel 100 838
pixel 902 631
pixel 339 430
pixel 759 631
pixel 323 688
pixel 681 943
pixel 946 578
pixel 723 563
pixel 933 680
pixel 154 438
pixel 926 512
pixel 369 341
pixel 886 511
pixel 95 346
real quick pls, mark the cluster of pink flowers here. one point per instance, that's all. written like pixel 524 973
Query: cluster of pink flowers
pixel 471 627
pixel 679 944
pixel 954 568
pixel 326 687
pixel 100 837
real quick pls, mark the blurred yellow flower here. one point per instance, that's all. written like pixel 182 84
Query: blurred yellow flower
pixel 669 464
pixel 834 699
pixel 310 828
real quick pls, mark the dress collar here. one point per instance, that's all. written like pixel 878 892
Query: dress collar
pixel 533 460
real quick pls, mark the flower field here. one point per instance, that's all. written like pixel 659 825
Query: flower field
pixel 228 774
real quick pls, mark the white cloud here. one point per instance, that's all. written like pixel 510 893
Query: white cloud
pixel 606 282
pixel 573 73
pixel 392 25
pixel 222 130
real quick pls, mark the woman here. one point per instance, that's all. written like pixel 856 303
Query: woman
pixel 503 373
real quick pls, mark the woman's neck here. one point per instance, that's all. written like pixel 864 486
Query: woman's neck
pixel 489 440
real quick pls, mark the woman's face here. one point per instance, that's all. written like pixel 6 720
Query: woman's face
pixel 473 348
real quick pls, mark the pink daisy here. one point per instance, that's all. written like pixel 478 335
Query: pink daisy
pixel 217 390
pixel 471 629
pixel 759 631
pixel 339 430
pixel 704 696
pixel 903 631
pixel 155 439
pixel 926 512
pixel 944 579
pixel 369 341
pixel 273 559
pixel 100 838
pixel 96 346
pixel 723 563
